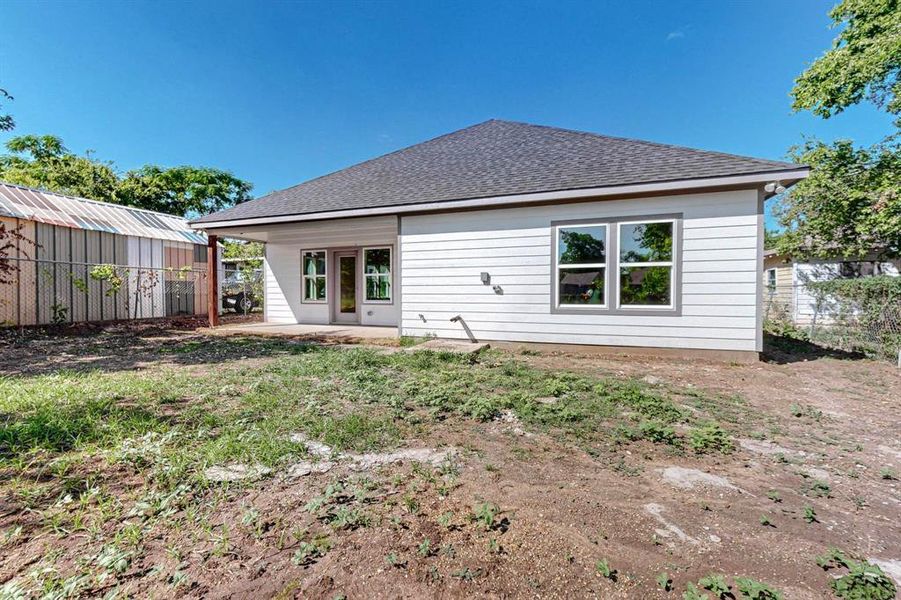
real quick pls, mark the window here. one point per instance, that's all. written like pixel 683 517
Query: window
pixel 621 266
pixel 646 264
pixel 377 274
pixel 313 270
pixel 582 265
pixel 771 279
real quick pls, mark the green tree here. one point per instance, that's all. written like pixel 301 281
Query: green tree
pixel 771 238
pixel 182 190
pixel 864 62
pixel 849 206
pixel 241 249
pixel 44 162
pixel 7 123
pixel 851 203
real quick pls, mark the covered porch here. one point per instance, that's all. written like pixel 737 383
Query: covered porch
pixel 340 274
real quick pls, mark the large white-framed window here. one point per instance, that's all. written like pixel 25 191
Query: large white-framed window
pixel 580 266
pixel 314 276
pixel 377 280
pixel 646 255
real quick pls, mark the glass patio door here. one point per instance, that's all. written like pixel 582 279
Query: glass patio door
pixel 345 308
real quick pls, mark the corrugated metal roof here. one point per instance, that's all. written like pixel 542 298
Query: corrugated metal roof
pixel 81 213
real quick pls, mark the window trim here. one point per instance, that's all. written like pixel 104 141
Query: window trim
pixel 775 283
pixel 671 264
pixel 555 272
pixel 390 249
pixel 613 308
pixel 304 277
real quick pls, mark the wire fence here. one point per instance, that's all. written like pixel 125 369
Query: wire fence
pixel 872 327
pixel 47 292
pixel 241 291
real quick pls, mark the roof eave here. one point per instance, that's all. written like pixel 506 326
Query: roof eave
pixel 786 177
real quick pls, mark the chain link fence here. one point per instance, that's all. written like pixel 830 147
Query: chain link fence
pixel 47 292
pixel 241 291
pixel 868 324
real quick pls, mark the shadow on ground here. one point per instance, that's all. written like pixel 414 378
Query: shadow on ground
pixel 785 350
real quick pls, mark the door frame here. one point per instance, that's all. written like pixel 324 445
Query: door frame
pixel 335 313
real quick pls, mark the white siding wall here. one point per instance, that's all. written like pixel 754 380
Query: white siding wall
pixel 282 266
pixel 805 305
pixel 442 256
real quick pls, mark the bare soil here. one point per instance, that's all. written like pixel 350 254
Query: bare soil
pixel 561 510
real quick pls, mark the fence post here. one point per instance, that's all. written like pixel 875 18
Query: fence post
pixel 212 280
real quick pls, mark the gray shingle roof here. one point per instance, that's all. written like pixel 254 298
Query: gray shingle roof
pixel 496 158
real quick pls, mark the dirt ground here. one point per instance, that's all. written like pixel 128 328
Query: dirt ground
pixel 825 436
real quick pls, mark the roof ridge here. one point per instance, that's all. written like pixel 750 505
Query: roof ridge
pixel 643 142
pixel 90 200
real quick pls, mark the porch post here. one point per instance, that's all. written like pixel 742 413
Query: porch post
pixel 212 266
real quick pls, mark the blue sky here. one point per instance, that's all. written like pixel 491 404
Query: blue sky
pixel 280 92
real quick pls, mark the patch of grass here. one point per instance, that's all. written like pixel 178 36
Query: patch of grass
pixel 308 552
pixel 816 489
pixel 693 593
pixel 805 410
pixel 810 514
pixel 888 474
pixel 710 437
pixel 486 514
pixel 862 580
pixel 168 424
pixel 664 582
pixel 716 584
pixel 755 590
pixel 605 570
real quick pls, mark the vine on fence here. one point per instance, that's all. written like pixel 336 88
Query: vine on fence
pixel 861 314
pixel 109 274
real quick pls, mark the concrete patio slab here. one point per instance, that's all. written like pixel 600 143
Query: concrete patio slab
pixel 338 333
pixel 455 346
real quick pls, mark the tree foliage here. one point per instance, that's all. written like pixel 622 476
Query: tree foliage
pixel 241 249
pixel 850 206
pixel 181 190
pixel 44 162
pixel 864 62
pixel 581 247
pixel 7 123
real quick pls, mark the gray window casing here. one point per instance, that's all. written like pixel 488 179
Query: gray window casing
pixel 612 266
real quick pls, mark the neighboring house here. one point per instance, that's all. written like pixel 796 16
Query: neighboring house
pixel 524 233
pixel 786 281
pixel 159 258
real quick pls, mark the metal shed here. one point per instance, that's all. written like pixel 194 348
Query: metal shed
pixel 81 260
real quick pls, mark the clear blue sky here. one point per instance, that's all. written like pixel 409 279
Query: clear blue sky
pixel 281 92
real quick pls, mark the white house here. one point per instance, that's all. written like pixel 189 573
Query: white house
pixel 516 232
pixel 786 282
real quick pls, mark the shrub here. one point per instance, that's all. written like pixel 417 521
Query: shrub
pixel 863 581
pixel 865 314
pixel 710 437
